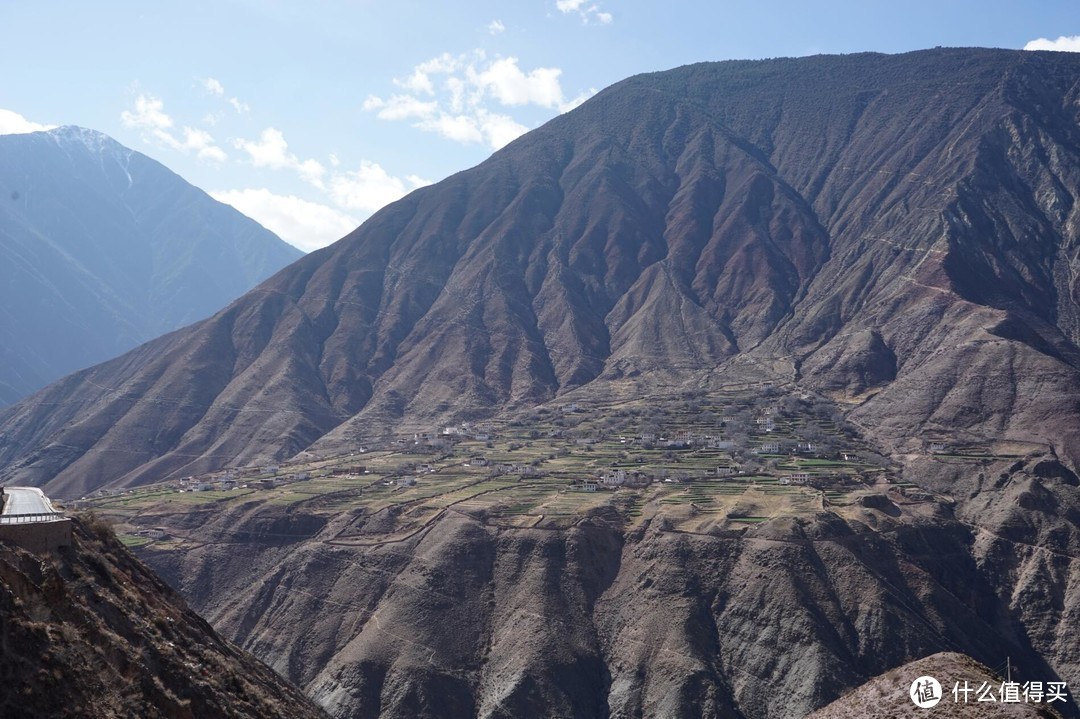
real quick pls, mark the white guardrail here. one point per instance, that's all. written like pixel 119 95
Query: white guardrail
pixel 24 518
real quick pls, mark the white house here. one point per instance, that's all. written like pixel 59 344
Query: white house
pixel 615 478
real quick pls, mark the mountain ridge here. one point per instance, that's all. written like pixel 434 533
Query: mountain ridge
pixel 798 215
pixel 107 248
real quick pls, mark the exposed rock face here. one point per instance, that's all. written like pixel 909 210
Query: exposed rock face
pixel 604 621
pixel 868 225
pixel 102 249
pixel 93 633
pixel 886 697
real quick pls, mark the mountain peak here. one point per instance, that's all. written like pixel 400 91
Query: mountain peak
pixel 92 139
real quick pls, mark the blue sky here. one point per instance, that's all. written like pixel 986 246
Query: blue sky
pixel 310 116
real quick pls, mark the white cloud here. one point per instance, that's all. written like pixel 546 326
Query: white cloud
pixel 420 80
pixel 582 97
pixel 202 144
pixel 1062 44
pixel 459 128
pixel 494 129
pixel 588 12
pixel 465 89
pixel 213 87
pixel 496 27
pixel 505 80
pixel 12 123
pixel 303 224
pixel 499 130
pixel 149 116
pixel 366 189
pixel 369 188
pixel 400 107
pixel 271 150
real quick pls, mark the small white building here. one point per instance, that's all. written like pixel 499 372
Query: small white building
pixel 406 481
pixel 615 478
pixel 589 485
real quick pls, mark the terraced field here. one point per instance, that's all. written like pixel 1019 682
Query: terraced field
pixel 533 466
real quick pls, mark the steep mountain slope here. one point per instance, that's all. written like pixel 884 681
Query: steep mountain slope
pixel 102 248
pixel 612 619
pixel 94 633
pixel 894 230
pixel 886 697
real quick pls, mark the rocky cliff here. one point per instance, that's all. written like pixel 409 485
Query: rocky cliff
pixel 614 619
pixel 91 632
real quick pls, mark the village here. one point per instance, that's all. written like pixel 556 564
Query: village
pixel 707 465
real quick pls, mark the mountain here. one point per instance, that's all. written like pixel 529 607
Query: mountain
pixel 617 617
pixel 893 231
pixel 93 633
pixel 102 249
pixel 885 239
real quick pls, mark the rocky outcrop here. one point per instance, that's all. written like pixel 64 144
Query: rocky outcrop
pixel 91 632
pixel 887 696
pixel 607 620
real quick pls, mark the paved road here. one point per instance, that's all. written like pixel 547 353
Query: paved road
pixel 26 500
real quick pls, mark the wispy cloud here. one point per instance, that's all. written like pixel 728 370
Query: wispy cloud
pixel 149 116
pixel 458 97
pixel 303 224
pixel 272 151
pixel 496 27
pixel 1065 43
pixel 12 123
pixel 590 13
pixel 370 187
pixel 346 194
pixel 215 88
pixel 365 189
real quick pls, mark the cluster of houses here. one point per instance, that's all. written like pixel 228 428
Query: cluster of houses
pixel 240 478
pixel 525 470
pixel 481 432
pixel 680 440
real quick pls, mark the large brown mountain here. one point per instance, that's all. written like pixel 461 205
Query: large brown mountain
pixel 898 231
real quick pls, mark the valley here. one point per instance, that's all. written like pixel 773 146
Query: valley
pixel 701 464
pixel 742 380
